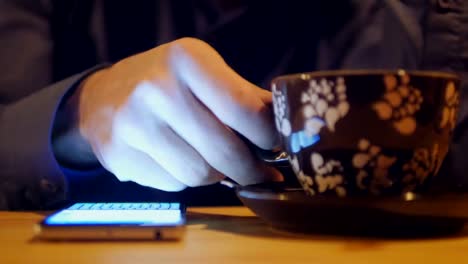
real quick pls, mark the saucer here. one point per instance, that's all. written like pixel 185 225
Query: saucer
pixel 289 208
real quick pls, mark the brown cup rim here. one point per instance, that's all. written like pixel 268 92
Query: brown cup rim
pixel 331 73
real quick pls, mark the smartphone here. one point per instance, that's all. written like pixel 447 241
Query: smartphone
pixel 115 221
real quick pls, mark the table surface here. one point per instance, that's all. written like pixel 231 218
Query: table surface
pixel 230 235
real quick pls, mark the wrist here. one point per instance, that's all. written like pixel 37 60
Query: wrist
pixel 70 146
pixel 87 115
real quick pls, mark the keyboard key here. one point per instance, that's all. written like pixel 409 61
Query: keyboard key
pixel 96 206
pixel 86 206
pixel 135 206
pixel 144 206
pixel 107 206
pixel 76 206
pixel 154 206
pixel 174 206
pixel 126 206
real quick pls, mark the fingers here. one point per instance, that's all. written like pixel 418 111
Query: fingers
pixel 236 102
pixel 197 126
pixel 265 96
pixel 145 132
pixel 129 164
pixel 179 131
pixel 273 174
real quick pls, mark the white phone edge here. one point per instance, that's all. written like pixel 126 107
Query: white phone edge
pixel 44 232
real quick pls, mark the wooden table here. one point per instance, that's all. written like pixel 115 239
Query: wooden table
pixel 226 235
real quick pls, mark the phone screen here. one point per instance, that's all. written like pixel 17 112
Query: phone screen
pixel 151 214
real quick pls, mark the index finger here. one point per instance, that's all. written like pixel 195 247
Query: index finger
pixel 236 102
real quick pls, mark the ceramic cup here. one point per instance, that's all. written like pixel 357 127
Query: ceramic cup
pixel 365 132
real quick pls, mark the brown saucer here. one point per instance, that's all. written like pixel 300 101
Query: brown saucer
pixel 410 215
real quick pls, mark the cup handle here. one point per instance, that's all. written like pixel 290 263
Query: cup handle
pixel 277 157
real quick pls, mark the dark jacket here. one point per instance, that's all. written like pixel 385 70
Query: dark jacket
pixel 47 47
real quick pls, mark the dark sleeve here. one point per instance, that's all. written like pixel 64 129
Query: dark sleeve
pixel 377 34
pixel 446 48
pixel 30 177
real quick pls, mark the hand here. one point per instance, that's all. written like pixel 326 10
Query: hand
pixel 165 118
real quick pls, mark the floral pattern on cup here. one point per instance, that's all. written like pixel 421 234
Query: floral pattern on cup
pixel 301 140
pixel 324 103
pixel 294 163
pixel 306 183
pixel 373 167
pixel 449 113
pixel 425 162
pixel 305 180
pixel 279 107
pixel 400 102
pixel 328 175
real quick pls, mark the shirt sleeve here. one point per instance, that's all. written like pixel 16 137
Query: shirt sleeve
pixel 30 175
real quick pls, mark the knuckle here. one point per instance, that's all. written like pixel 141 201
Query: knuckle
pixel 229 156
pixel 120 176
pixel 142 90
pixel 238 109
pixel 111 161
pixel 146 89
pixel 161 91
pixel 114 165
pixel 189 43
pixel 199 176
pixel 124 125
pixel 187 47
pixel 243 99
pixel 172 188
